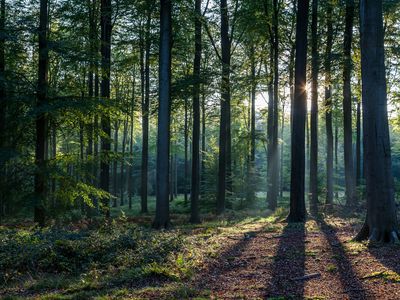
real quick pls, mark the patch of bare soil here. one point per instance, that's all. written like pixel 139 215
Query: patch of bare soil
pixel 316 260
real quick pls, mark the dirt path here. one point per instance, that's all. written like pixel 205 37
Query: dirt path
pixel 312 261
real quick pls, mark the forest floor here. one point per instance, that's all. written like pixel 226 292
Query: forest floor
pixel 239 257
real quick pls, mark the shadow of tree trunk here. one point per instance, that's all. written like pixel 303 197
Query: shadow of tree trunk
pixel 351 284
pixel 289 259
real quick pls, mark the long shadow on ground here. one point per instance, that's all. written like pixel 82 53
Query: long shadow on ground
pixel 221 276
pixel 289 259
pixel 351 284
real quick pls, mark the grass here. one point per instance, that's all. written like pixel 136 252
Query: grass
pixel 96 260
pixel 388 276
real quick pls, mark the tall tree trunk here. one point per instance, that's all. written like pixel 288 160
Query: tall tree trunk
pixel 105 24
pixel 336 158
pixel 122 170
pixel 270 129
pixel 171 173
pixel 163 138
pixel 115 163
pixel 195 188
pixel 252 128
pixel 358 145
pixel 3 100
pixel 41 118
pixel 314 111
pixel 203 136
pixel 282 149
pixel 347 110
pixel 92 55
pixel 53 156
pixel 186 163
pixel 274 186
pixel 96 134
pixel 96 181
pixel 297 203
pixel 328 106
pixel 131 158
pixel 381 223
pixel 145 114
pixel 224 169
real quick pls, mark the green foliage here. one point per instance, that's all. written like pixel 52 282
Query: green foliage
pixel 72 252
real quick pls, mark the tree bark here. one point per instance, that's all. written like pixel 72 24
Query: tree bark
pixel 145 114
pixel 328 106
pixel 3 102
pixel 274 169
pixel 122 170
pixel 252 120
pixel 381 221
pixel 115 162
pixel 297 203
pixel 105 21
pixel 224 132
pixel 314 111
pixel 347 109
pixel 163 138
pixel 131 158
pixel 41 118
pixel 195 189
pixel 186 163
pixel 358 145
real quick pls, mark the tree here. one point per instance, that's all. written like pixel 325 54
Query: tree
pixel 381 221
pixel 41 118
pixel 347 109
pixel 195 191
pixel 314 111
pixel 328 105
pixel 273 113
pixel 297 204
pixel 145 78
pixel 225 123
pixel 105 49
pixel 3 100
pixel 163 138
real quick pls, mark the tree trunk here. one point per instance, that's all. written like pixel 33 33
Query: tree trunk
pixel 195 188
pixel 224 170
pixel 336 158
pixel 145 69
pixel 131 158
pixel 41 118
pixel 106 11
pixel 122 170
pixel 270 130
pixel 115 163
pixel 381 222
pixel 282 148
pixel 358 145
pixel 3 101
pixel 274 186
pixel 186 164
pixel 328 106
pixel 250 192
pixel 347 109
pixel 314 111
pixel 297 203
pixel 163 138
pixel 203 137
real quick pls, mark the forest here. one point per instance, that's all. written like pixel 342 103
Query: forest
pixel 199 149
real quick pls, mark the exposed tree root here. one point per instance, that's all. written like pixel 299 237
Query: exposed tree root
pixel 377 235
